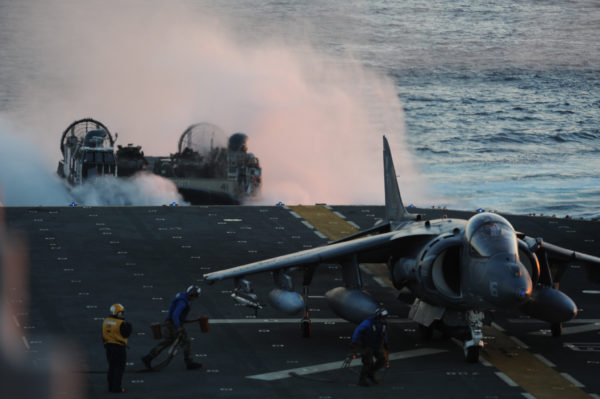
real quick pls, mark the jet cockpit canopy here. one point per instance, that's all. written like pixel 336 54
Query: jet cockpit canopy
pixel 489 234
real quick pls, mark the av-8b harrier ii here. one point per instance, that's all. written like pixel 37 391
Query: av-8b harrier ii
pixel 457 270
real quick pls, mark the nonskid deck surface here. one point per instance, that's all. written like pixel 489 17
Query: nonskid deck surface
pixel 84 259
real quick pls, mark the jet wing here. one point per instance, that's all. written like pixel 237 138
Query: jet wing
pixel 568 256
pixel 564 256
pixel 313 256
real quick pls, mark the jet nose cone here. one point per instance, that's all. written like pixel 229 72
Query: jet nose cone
pixel 524 286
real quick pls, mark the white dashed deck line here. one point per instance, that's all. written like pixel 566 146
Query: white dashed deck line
pixel 351 223
pixel 318 368
pixel 572 380
pixel 320 235
pixel 519 342
pixel 506 379
pixel 310 226
pixel 544 360
pixel 339 215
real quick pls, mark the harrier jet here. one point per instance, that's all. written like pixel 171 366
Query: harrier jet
pixel 457 271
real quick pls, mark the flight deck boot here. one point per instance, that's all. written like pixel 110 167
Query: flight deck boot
pixel 191 365
pixel 363 379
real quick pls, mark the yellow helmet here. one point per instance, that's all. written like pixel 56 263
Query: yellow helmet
pixel 116 308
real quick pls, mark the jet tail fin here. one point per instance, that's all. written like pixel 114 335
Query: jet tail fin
pixel 394 208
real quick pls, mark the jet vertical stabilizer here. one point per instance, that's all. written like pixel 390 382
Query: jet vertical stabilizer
pixel 394 209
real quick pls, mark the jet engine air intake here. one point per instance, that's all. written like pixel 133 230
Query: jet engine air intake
pixel 530 261
pixel 437 268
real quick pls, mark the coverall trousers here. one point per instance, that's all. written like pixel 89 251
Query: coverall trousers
pixel 170 333
pixel 369 366
pixel 117 357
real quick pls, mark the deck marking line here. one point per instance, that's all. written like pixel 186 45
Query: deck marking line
pixel 573 330
pixel 527 395
pixel 572 380
pixel 339 214
pixel 318 368
pixel 310 226
pixel 351 223
pixel 519 342
pixel 295 320
pixel 506 379
pixel 319 234
pixel 544 360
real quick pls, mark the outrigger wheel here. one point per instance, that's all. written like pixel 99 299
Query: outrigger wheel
pixel 556 329
pixel 472 353
pixel 306 326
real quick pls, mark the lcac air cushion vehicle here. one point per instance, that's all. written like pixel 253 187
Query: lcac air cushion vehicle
pixel 87 147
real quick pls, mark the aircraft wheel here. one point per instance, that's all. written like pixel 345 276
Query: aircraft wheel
pixel 306 328
pixel 556 329
pixel 472 354
pixel 425 332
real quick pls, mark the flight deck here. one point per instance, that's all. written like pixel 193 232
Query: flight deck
pixel 83 259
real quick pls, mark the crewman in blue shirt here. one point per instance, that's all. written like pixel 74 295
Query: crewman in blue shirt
pixel 369 338
pixel 173 327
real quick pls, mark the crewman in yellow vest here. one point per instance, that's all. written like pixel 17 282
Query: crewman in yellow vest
pixel 115 331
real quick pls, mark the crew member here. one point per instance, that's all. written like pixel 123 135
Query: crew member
pixel 115 331
pixel 173 328
pixel 369 338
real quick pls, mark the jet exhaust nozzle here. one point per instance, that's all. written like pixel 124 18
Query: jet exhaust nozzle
pixel 289 302
pixel 352 305
pixel 549 304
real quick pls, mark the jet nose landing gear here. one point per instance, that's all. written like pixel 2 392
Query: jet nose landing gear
pixel 473 347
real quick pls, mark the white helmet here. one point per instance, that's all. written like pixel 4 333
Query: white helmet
pixel 116 308
pixel 193 290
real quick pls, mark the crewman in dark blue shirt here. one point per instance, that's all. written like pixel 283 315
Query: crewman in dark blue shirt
pixel 369 338
pixel 173 327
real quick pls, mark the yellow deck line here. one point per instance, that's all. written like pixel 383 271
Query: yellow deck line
pixel 334 228
pixel 506 355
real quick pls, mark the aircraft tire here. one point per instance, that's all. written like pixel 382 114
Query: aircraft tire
pixel 306 328
pixel 472 354
pixel 556 329
pixel 425 332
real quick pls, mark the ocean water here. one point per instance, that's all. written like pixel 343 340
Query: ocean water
pixel 498 102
